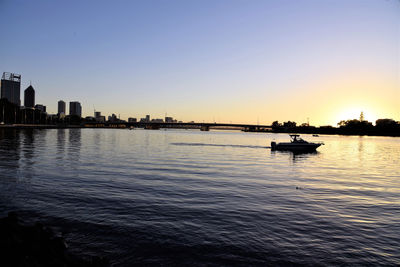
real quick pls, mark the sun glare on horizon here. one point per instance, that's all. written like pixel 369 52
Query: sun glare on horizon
pixel 355 113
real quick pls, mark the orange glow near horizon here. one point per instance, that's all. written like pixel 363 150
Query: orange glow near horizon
pixel 346 95
pixel 355 112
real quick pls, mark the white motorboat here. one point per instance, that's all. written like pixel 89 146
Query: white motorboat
pixel 296 144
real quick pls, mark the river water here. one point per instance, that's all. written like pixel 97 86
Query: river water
pixel 186 197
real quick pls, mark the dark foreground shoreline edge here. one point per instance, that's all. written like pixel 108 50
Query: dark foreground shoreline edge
pixel 37 245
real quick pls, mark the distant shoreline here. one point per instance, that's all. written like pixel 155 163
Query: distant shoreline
pixel 37 126
pixel 300 130
pixel 338 133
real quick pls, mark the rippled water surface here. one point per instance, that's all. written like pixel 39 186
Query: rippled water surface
pixel 185 197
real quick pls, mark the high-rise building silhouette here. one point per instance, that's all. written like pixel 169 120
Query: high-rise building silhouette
pixel 29 97
pixel 75 108
pixel 11 87
pixel 61 107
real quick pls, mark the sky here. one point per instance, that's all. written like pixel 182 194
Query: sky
pixel 239 61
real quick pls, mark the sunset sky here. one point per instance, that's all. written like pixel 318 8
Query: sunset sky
pixel 225 61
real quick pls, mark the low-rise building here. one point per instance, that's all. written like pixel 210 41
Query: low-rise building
pixel 169 119
pixel 113 118
pixel 98 117
pixel 40 107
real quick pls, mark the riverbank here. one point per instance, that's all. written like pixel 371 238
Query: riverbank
pixel 37 126
pixel 300 130
pixel 337 131
pixel 37 245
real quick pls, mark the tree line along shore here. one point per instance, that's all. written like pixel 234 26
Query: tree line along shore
pixel 382 127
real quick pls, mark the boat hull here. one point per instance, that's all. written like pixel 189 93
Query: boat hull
pixel 306 147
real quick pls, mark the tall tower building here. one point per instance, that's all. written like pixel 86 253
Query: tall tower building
pixel 75 108
pixel 61 107
pixel 11 87
pixel 29 97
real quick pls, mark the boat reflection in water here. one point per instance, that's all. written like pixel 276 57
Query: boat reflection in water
pixel 296 144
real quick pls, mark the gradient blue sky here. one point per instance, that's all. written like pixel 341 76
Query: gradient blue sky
pixel 226 61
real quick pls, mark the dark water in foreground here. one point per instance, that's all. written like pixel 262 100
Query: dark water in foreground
pixel 207 198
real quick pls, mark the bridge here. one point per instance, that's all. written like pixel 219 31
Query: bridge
pixel 179 125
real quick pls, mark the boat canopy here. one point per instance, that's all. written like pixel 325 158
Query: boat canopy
pixel 295 138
